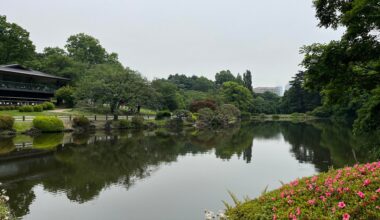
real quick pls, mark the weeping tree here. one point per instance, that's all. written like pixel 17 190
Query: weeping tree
pixel 113 86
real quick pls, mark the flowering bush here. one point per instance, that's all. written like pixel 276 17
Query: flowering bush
pixel 4 210
pixel 348 193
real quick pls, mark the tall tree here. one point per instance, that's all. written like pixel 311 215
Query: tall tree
pixel 346 72
pixel 247 78
pixel 15 45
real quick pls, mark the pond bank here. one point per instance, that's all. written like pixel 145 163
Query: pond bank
pixel 348 193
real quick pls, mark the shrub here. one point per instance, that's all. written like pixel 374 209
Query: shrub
pixel 48 106
pixel 38 108
pixel 124 124
pixel 48 124
pixel 81 121
pixel 182 114
pixel 65 95
pixel 6 122
pixel 275 117
pixel 137 121
pixel 26 108
pixel 298 115
pixel 163 115
pixel 351 192
pixel 195 106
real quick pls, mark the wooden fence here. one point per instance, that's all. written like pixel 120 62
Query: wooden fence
pixel 90 117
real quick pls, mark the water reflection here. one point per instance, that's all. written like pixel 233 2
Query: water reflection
pixel 81 166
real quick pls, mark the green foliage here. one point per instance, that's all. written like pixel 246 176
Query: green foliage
pixel 191 83
pixel 167 95
pixel 138 122
pixel 352 191
pixel 163 115
pixel 247 80
pixel 48 141
pixel 113 86
pixel 26 108
pixel 81 121
pixel 224 116
pixel 224 76
pixel 48 106
pixel 65 96
pixel 369 114
pixel 48 124
pixel 267 103
pixel 238 95
pixel 124 124
pixel 322 112
pixel 275 117
pixel 87 49
pixel 38 108
pixel 6 122
pixel 15 45
pixel 297 99
pixel 8 107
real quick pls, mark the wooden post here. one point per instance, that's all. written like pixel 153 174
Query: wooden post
pixel 23 118
pixel 106 117
pixel 95 117
pixel 69 117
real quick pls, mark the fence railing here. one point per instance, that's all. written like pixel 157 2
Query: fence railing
pixel 27 86
pixel 90 117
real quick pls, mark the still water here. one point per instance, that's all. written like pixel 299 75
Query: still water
pixel 161 175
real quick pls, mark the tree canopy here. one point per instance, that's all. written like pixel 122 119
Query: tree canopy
pixel 15 45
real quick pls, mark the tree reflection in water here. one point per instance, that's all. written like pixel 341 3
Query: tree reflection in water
pixel 86 164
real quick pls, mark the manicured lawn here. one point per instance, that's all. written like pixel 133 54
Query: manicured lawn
pixel 17 113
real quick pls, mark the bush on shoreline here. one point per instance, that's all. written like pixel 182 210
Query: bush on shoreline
pixel 348 193
pixel 6 122
pixel 48 124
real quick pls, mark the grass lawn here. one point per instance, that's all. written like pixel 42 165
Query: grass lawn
pixel 17 113
pixel 21 126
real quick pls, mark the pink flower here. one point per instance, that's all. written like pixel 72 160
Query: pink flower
pixel 323 198
pixel 346 216
pixel 366 182
pixel 378 190
pixel 298 211
pixel 341 205
pixel 311 202
pixel 328 194
pixel 361 194
pixel 290 201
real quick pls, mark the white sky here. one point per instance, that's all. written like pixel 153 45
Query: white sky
pixel 201 37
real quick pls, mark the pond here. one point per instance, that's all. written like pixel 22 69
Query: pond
pixel 163 175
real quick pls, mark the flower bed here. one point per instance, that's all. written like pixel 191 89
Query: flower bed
pixel 348 193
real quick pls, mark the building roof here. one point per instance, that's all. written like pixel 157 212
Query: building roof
pixel 18 69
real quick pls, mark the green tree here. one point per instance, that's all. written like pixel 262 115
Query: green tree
pixel 238 95
pixel 15 45
pixel 297 99
pixel 65 95
pixel 113 86
pixel 247 79
pixel 87 49
pixel 168 95
pixel 224 76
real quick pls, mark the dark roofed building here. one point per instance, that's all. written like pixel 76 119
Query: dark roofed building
pixel 20 85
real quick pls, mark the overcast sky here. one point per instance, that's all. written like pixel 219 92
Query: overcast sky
pixel 201 37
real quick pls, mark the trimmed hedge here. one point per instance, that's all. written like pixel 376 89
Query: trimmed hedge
pixel 48 124
pixel 48 106
pixel 38 108
pixel 26 108
pixel 348 193
pixel 6 122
